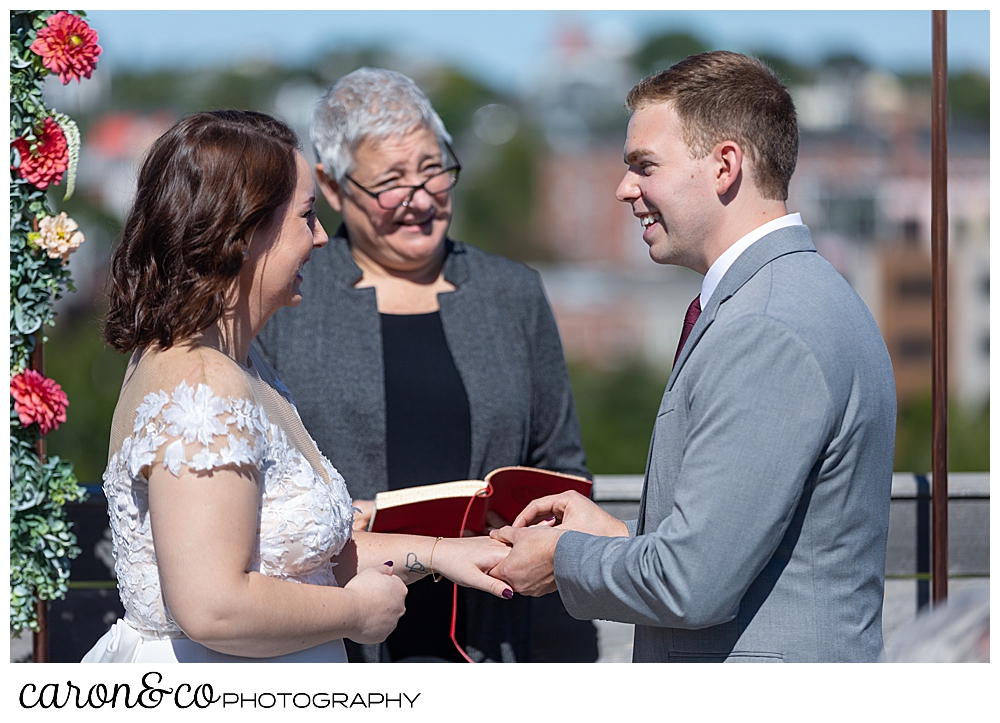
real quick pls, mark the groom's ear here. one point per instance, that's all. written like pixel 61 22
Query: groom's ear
pixel 330 188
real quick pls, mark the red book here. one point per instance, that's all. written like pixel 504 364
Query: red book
pixel 437 510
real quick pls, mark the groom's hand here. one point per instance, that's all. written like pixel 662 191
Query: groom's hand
pixel 528 569
pixel 571 511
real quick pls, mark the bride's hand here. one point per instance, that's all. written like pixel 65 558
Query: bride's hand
pixel 378 602
pixel 468 560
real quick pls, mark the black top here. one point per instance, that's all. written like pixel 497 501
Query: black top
pixel 428 440
pixel 427 432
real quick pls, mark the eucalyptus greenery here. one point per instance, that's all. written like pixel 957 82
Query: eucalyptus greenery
pixel 41 541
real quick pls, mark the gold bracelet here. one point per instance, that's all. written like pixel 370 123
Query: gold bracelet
pixel 435 576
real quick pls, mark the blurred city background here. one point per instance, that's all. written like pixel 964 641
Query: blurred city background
pixel 534 102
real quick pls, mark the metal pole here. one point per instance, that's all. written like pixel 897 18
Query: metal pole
pixel 939 306
pixel 40 640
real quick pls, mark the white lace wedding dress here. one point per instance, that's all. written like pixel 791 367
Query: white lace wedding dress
pixel 305 510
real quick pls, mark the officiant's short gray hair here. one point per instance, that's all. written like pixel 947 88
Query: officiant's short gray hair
pixel 370 104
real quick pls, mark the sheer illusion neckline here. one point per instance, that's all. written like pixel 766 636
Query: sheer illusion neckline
pixel 263 388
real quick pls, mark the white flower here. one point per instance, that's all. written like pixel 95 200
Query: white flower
pixel 125 452
pixel 206 459
pixel 244 414
pixel 260 420
pixel 143 452
pixel 174 457
pixel 109 474
pixel 195 416
pixel 239 452
pixel 150 407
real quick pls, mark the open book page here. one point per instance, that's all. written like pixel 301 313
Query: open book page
pixel 409 495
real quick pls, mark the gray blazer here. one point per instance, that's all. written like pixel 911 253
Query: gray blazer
pixel 505 343
pixel 764 515
pixel 501 333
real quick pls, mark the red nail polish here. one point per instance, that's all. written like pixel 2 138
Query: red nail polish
pixel 508 594
pixel 388 564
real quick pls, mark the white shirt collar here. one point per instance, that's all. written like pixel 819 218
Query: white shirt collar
pixel 722 264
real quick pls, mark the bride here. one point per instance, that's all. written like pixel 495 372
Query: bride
pixel 232 533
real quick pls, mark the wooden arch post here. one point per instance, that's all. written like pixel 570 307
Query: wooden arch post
pixel 939 304
pixel 40 639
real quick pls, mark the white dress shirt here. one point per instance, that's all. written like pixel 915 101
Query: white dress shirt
pixel 722 264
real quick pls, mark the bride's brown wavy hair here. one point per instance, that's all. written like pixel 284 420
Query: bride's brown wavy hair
pixel 205 186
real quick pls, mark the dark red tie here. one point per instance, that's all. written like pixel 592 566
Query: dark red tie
pixel 693 312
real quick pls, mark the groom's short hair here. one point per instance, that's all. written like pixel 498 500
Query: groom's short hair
pixel 721 96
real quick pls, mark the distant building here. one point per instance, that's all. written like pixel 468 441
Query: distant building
pixel 579 218
pixel 866 195
pixel 905 315
pixel 611 316
pixel 579 90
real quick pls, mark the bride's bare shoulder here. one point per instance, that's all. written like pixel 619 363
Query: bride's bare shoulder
pixel 192 364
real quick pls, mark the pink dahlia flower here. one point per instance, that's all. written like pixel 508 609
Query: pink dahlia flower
pixel 50 158
pixel 68 46
pixel 38 399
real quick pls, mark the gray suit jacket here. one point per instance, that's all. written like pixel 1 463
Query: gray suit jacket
pixel 763 521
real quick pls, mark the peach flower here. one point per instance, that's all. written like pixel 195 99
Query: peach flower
pixel 58 235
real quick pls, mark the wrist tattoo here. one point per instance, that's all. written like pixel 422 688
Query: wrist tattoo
pixel 413 564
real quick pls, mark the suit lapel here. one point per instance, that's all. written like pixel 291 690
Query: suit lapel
pixel 788 240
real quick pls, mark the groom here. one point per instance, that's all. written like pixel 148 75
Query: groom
pixel 762 525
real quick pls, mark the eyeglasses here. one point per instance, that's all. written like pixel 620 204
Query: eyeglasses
pixel 392 198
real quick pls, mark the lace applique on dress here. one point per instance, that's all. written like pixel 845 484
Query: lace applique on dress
pixel 303 521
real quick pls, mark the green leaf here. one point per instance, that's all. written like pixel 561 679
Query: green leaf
pixel 41 538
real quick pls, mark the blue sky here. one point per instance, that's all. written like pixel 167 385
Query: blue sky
pixel 504 48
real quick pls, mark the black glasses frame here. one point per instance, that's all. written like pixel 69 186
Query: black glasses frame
pixel 454 170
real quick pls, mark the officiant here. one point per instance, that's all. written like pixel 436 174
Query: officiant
pixel 415 359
